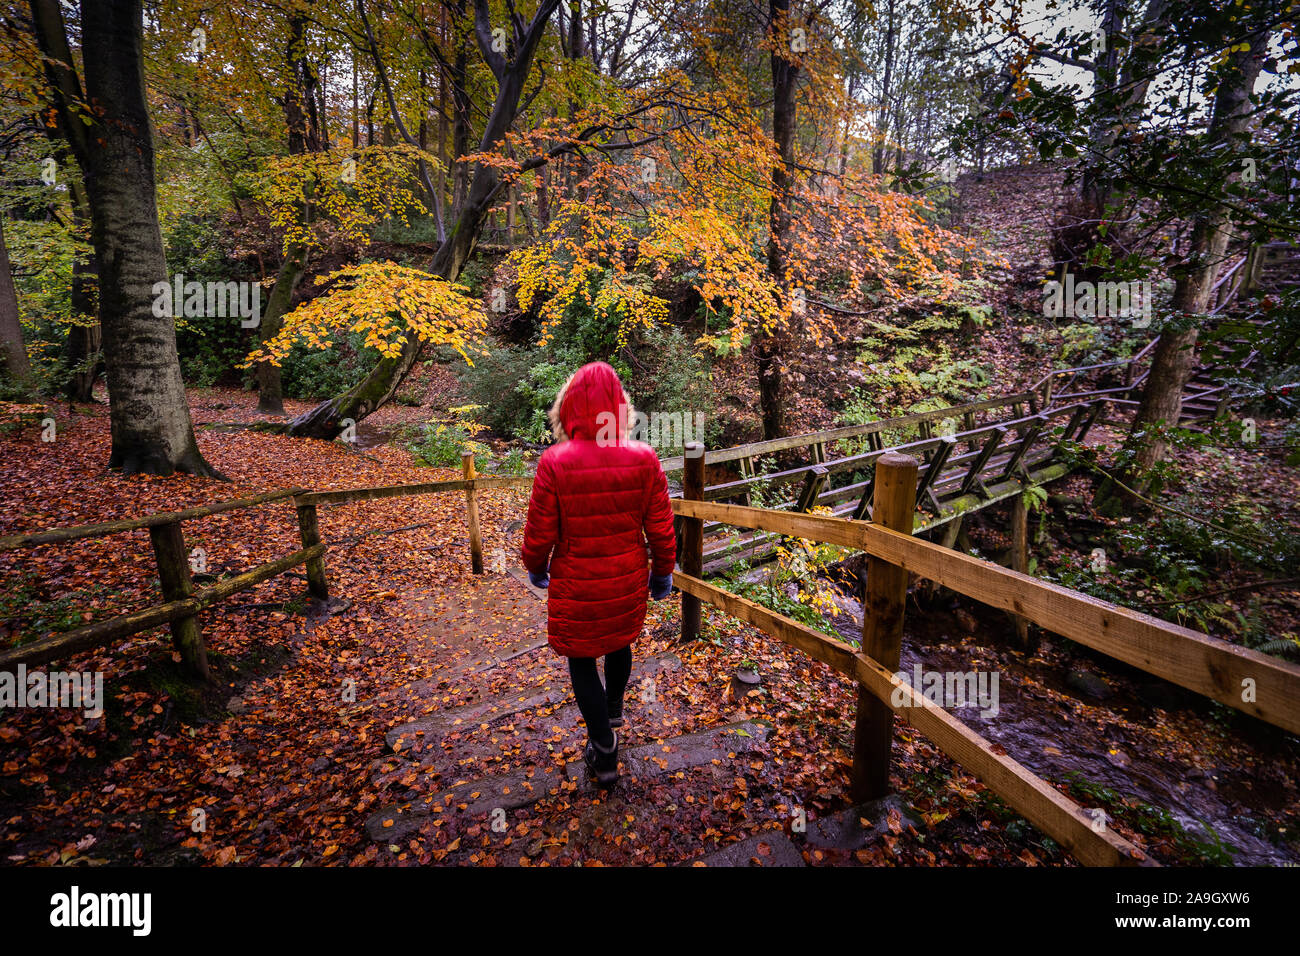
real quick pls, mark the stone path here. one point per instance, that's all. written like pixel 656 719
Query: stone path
pixel 511 791
pixel 477 744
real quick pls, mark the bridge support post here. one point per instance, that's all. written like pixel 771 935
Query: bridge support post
pixel 471 506
pixel 174 574
pixel 882 626
pixel 692 544
pixel 951 531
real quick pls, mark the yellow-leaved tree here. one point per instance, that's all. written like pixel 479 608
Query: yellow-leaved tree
pixel 388 303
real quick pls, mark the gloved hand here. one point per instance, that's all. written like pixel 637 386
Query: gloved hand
pixel 661 585
pixel 542 580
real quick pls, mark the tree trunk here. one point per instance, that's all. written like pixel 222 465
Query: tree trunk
pixel 882 113
pixel 83 351
pixel 270 389
pixel 13 351
pixel 303 138
pixel 85 337
pixel 460 129
pixel 1074 237
pixel 1175 354
pixel 771 347
pixel 150 418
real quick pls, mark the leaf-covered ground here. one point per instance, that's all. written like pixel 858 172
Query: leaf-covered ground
pixel 286 761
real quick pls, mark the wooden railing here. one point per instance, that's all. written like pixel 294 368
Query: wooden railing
pixel 819 440
pixel 1258 685
pixel 998 459
pixel 1248 681
pixel 183 603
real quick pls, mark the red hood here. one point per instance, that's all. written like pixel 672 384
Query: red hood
pixel 594 388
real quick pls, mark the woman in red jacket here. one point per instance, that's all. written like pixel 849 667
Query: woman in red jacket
pixel 598 499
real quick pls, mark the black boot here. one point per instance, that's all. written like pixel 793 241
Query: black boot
pixel 602 763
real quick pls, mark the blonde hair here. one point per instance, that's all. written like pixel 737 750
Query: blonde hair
pixel 557 425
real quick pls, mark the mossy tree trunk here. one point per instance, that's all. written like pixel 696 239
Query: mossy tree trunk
pixel 150 418
pixel 1175 355
pixel 13 351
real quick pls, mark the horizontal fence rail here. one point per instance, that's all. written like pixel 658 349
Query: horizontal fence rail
pixel 1036 800
pixel 123 625
pixel 79 532
pixel 1254 683
pixel 182 603
pixel 397 491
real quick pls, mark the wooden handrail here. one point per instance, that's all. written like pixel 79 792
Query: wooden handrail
pixel 93 635
pixel 846 431
pixel 78 532
pixel 182 603
pixel 1037 386
pixel 398 491
pixel 1142 352
pixel 1037 801
pixel 1246 680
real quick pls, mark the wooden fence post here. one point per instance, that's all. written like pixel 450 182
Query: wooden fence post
pixel 882 626
pixel 692 536
pixel 471 505
pixel 309 528
pixel 174 573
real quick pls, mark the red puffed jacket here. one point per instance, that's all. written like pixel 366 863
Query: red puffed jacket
pixel 597 499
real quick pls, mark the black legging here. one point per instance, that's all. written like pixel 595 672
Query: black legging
pixel 595 700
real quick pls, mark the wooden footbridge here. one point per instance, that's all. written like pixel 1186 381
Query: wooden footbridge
pixel 972 456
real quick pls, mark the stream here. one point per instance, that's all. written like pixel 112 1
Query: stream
pixel 1053 735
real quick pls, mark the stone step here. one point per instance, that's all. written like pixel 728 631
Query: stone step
pixel 520 788
pixel 773 849
pixel 844 830
pixel 401 739
pixel 404 737
pixel 504 791
pixel 680 753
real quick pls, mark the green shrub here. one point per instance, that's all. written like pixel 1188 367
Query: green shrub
pixel 209 346
pixel 513 463
pixel 440 444
pixel 320 373
pixel 516 387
